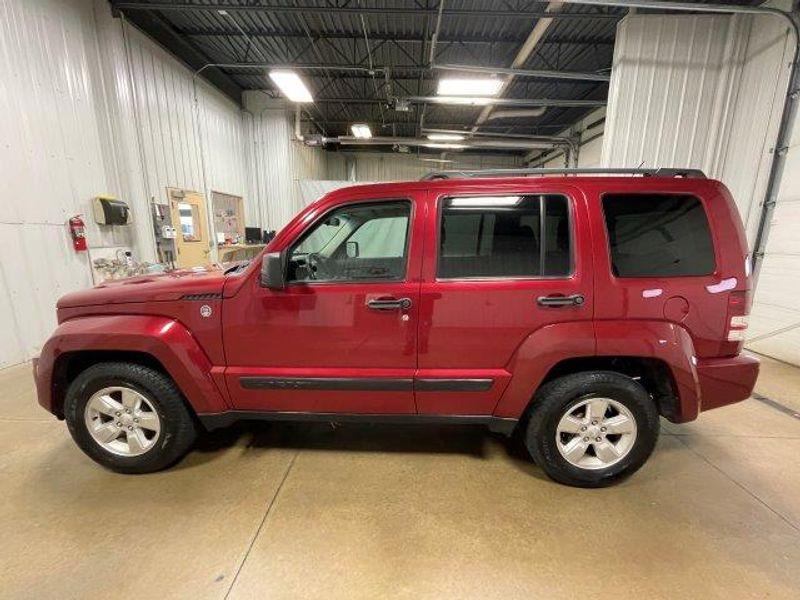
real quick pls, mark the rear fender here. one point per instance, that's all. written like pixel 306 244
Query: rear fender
pixel 165 339
pixel 662 340
pixel 536 356
pixel 547 347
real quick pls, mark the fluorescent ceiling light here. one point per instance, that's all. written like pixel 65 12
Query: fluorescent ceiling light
pixel 446 146
pixel 445 137
pixel 469 87
pixel 361 130
pixel 470 100
pixel 291 85
pixel 437 160
pixel 485 201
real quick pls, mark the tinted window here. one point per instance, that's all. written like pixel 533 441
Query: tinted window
pixel 354 243
pixel 655 235
pixel 509 236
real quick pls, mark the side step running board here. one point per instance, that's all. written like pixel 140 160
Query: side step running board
pixel 495 424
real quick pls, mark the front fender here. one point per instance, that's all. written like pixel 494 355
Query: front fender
pixel 163 338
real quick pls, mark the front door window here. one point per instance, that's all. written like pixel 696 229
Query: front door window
pixel 360 242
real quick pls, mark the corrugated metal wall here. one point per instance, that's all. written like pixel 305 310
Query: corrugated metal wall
pixel 699 91
pixel 52 162
pixel 82 114
pixel 707 92
pixel 276 162
pixel 374 166
pixel 671 78
pixel 753 128
pixel 775 321
pixel 190 136
pixel 590 132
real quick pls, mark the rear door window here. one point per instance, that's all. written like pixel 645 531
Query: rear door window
pixel 504 236
pixel 658 235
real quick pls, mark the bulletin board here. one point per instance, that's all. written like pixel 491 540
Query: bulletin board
pixel 228 213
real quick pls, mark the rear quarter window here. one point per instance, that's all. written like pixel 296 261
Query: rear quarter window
pixel 658 235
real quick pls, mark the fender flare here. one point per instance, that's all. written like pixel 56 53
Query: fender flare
pixel 165 339
pixel 662 340
pixel 545 348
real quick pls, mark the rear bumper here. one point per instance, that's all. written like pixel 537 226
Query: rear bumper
pixel 724 381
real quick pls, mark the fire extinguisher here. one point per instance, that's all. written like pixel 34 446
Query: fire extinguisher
pixel 78 231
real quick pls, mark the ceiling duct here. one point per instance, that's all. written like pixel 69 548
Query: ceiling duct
pixel 520 113
pixel 568 75
pixel 521 102
pixel 482 143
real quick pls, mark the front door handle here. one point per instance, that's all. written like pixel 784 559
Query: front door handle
pixel 389 303
pixel 558 301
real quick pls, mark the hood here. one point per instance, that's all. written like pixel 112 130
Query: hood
pixel 160 287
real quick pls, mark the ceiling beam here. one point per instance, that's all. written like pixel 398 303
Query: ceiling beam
pixel 537 34
pixel 401 37
pixel 517 72
pixel 559 102
pixel 133 5
pixel 359 71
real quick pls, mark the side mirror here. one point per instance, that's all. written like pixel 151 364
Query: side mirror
pixel 352 249
pixel 273 270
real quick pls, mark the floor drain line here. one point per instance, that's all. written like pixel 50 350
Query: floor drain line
pixel 776 405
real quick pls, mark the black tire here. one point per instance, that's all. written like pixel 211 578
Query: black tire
pixel 554 399
pixel 178 429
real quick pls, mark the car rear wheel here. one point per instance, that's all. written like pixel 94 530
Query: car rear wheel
pixel 128 417
pixel 592 429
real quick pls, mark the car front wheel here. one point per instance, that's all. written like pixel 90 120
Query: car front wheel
pixel 128 417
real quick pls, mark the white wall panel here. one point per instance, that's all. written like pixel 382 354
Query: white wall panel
pixel 775 320
pixel 276 162
pixel 312 190
pixel 671 80
pixel 376 166
pixel 708 92
pixel 52 163
pixel 589 131
pixel 699 91
pixel 190 135
pixel 84 113
pixel 757 110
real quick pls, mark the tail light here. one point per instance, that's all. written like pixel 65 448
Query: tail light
pixel 737 321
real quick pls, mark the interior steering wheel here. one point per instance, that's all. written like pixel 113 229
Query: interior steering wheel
pixel 313 262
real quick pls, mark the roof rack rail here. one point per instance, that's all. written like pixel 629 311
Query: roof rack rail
pixel 659 172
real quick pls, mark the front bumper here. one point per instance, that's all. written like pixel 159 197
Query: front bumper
pixel 724 381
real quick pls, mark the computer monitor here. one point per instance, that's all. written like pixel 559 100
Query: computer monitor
pixel 252 235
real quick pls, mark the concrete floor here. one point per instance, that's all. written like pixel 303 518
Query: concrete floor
pixel 288 511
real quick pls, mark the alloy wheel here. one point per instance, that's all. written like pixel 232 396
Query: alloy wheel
pixel 122 421
pixel 596 433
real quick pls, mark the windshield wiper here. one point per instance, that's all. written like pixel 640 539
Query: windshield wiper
pixel 236 268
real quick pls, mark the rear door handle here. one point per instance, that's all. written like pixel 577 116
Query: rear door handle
pixel 389 303
pixel 558 301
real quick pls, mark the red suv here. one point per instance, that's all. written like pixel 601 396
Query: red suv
pixel 573 310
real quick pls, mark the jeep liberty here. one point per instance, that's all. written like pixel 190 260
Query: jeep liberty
pixel 570 309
